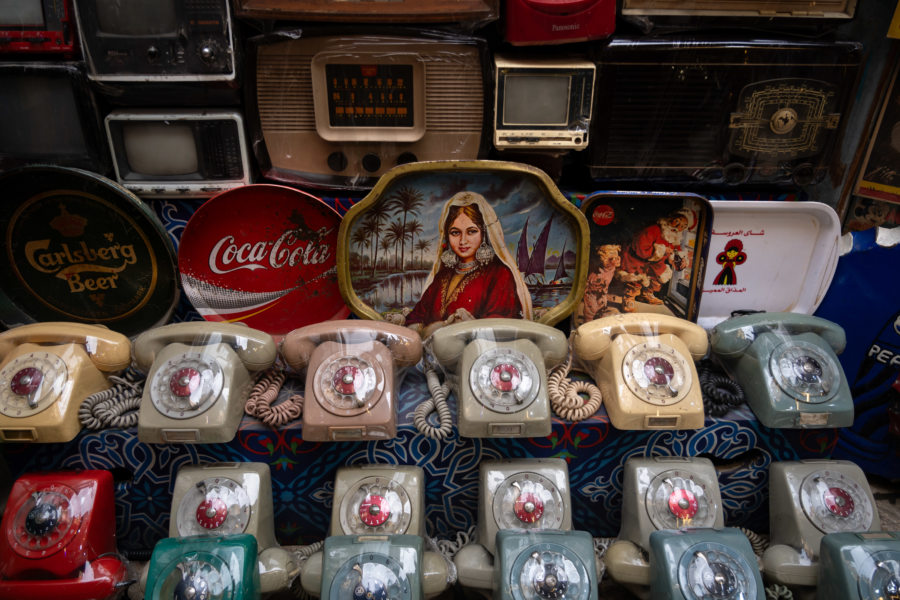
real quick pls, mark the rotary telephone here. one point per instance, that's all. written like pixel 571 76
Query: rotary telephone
pixel 59 538
pixel 198 377
pixel 499 368
pixel 660 492
pixel 202 568
pixel 859 566
pixel 644 366
pixel 700 564
pixel 545 565
pixel 351 378
pixel 808 499
pixel 528 494
pixel 47 370
pixel 788 367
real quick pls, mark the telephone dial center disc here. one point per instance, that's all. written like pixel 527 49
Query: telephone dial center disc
pixel 549 572
pixel 215 506
pixel 527 501
pixel 675 500
pixel 186 385
pixel 880 576
pixel 45 523
pixel 710 570
pixel 656 373
pixel 504 380
pixel 197 576
pixel 347 385
pixel 835 503
pixel 804 371
pixel 371 576
pixel 377 505
pixel 374 510
pixel 31 383
pixel 528 508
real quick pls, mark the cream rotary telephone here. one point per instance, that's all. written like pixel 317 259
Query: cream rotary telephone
pixel 47 370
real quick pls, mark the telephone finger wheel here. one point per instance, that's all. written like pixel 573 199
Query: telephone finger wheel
pixel 676 500
pixel 202 576
pixel 880 576
pixel 186 385
pixel 31 383
pixel 835 503
pixel 712 571
pixel 214 506
pixel 371 576
pixel 377 505
pixel 346 385
pixel 528 501
pixel 804 372
pixel 504 380
pixel 549 572
pixel 45 522
pixel 656 373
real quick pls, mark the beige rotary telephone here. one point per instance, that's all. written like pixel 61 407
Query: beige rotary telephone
pixel 198 377
pixel 351 379
pixel 660 492
pixel 644 366
pixel 47 370
pixel 498 368
pixel 808 499
pixel 524 494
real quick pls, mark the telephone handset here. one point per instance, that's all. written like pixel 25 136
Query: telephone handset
pixel 644 366
pixel 698 564
pixel 378 500
pixel 351 376
pixel 808 499
pixel 658 493
pixel 545 565
pixel 788 367
pixel 859 566
pixel 204 568
pixel 198 376
pixel 500 367
pixel 59 537
pixel 525 494
pixel 47 370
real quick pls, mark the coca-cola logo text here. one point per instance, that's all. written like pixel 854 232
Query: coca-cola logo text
pixel 288 250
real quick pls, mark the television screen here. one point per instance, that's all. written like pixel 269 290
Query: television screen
pixel 23 13
pixel 536 100
pixel 155 148
pixel 40 117
pixel 136 17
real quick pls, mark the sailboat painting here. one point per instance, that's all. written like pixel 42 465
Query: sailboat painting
pixel 438 242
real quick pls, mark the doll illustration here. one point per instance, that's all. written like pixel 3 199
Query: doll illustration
pixel 729 258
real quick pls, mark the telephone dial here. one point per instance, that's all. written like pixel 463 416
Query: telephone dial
pixel 378 499
pixel 788 367
pixel 808 499
pixel 644 366
pixel 198 377
pixel 59 538
pixel 859 566
pixel 545 565
pixel 660 493
pixel 702 564
pixel 47 370
pixel 351 380
pixel 204 568
pixel 525 494
pixel 500 370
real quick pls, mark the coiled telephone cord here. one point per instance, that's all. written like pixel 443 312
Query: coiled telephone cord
pixel 116 407
pixel 260 402
pixel 758 542
pixel 720 392
pixel 437 403
pixel 565 398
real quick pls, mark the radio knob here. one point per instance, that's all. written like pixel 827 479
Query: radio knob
pixel 208 51
pixel 371 163
pixel 337 161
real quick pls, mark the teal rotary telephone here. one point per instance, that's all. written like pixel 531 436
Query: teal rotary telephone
pixel 545 565
pixel 858 566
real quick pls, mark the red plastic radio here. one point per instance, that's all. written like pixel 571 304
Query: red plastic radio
pixel 558 21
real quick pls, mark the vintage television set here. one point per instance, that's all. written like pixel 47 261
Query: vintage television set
pixel 166 40
pixel 337 111
pixel 720 111
pixel 49 116
pixel 477 12
pixel 37 26
pixel 178 153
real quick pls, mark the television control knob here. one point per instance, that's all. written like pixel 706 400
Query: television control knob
pixel 152 53
pixel 208 52
pixel 371 163
pixel 407 157
pixel 337 161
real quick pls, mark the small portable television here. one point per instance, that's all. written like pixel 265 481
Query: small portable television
pixel 338 111
pixel 477 12
pixel 542 104
pixel 37 27
pixel 178 153
pixel 532 22
pixel 170 40
pixel 49 116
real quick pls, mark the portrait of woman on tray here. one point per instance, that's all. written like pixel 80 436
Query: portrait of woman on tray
pixel 474 275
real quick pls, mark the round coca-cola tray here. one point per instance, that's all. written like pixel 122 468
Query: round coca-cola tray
pixel 264 255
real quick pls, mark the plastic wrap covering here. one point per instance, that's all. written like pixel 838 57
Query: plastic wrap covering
pixel 543 22
pixel 47 370
pixel 797 9
pixel 59 542
pixel 38 27
pixel 787 364
pixel 199 375
pixel 378 499
pixel 467 13
pixel 859 565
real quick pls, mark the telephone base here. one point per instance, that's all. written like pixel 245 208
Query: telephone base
pixel 107 573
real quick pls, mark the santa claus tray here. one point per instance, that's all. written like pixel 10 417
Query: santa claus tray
pixel 445 241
